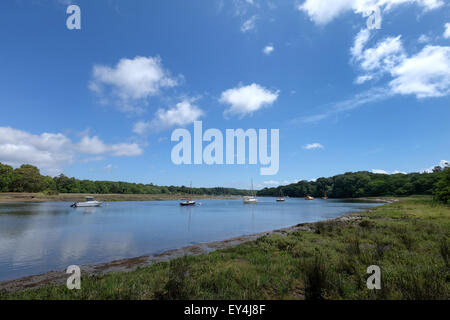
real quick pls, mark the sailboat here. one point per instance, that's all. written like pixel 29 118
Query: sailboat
pixel 251 199
pixel 325 197
pixel 281 197
pixel 187 201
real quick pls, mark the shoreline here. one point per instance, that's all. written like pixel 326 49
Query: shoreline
pixel 18 197
pixel 130 264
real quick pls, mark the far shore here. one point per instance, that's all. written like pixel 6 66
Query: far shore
pixel 17 197
pixel 13 197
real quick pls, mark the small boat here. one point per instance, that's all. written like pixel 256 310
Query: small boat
pixel 325 197
pixel 281 197
pixel 187 201
pixel 308 197
pixel 250 199
pixel 90 202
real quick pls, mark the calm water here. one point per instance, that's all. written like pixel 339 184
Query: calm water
pixel 39 237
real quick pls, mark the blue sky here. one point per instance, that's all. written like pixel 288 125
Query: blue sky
pixel 102 102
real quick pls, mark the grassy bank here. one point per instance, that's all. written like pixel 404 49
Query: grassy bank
pixel 408 239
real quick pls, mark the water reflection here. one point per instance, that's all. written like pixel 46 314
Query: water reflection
pixel 38 237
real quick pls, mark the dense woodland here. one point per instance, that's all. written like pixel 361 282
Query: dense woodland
pixel 367 184
pixel 27 178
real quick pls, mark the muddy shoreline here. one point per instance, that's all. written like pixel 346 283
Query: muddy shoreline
pixel 130 264
pixel 16 197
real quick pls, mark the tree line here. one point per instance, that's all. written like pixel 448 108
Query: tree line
pixel 27 178
pixel 368 184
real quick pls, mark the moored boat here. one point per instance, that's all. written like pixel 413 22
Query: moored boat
pixel 252 198
pixel 187 201
pixel 281 197
pixel 90 202
pixel 308 197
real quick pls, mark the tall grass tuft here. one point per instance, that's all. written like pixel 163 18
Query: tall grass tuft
pixel 444 248
pixel 316 279
pixel 176 287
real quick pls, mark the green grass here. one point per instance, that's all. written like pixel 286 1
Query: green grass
pixel 408 239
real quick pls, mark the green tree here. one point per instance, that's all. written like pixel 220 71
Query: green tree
pixel 27 178
pixel 442 187
pixel 6 176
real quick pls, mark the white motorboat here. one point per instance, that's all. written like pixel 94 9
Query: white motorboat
pixel 90 202
pixel 251 199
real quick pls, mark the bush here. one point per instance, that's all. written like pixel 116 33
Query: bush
pixel 441 190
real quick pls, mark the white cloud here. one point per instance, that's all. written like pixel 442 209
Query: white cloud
pixel 241 7
pixel 141 127
pixel 383 56
pixel 426 74
pixel 131 81
pixel 380 171
pixel 372 95
pixel 376 60
pixel 324 11
pixel 182 114
pixel 268 49
pixel 48 151
pixel 276 183
pixel 442 164
pixel 364 78
pixel 93 159
pixel 52 151
pixel 93 145
pixel 312 146
pixel 109 167
pixel 360 42
pixel 245 100
pixel 249 24
pixel 424 38
pixel 447 31
pixel 272 183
